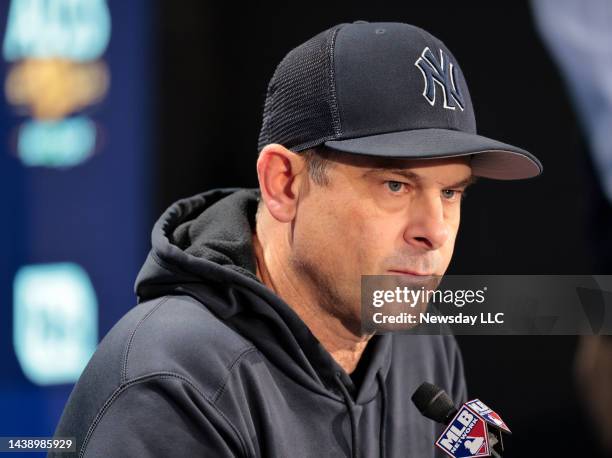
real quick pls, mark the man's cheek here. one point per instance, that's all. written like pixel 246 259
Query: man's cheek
pixel 446 254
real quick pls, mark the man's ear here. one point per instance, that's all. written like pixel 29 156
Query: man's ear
pixel 279 171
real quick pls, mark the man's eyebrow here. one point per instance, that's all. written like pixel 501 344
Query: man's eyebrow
pixel 465 183
pixel 403 172
pixel 418 178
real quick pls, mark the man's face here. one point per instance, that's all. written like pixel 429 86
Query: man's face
pixel 376 217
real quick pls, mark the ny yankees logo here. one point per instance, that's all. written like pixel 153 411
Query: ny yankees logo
pixel 444 74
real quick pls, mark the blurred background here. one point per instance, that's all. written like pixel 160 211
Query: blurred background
pixel 112 110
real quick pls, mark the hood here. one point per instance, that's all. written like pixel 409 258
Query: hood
pixel 202 247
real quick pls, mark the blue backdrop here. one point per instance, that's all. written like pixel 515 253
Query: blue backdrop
pixel 93 213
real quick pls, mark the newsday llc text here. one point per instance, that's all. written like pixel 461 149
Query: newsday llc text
pixel 487 304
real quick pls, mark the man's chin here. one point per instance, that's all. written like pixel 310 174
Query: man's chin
pixel 393 279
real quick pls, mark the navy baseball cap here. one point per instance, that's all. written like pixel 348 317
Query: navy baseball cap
pixel 382 89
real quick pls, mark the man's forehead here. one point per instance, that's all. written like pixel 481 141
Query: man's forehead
pixel 397 163
pixel 412 168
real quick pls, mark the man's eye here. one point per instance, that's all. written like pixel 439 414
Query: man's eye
pixel 394 186
pixel 450 194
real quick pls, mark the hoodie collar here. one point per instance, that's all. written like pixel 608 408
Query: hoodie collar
pixel 202 246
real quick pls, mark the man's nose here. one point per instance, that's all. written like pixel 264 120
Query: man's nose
pixel 427 227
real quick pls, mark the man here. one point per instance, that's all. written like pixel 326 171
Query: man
pixel 247 339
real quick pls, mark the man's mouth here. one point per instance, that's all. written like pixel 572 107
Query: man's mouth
pixel 412 273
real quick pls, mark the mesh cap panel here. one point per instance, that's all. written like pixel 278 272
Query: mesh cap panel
pixel 300 109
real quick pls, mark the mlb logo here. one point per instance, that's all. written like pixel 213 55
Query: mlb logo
pixel 476 445
pixel 488 414
pixel 465 436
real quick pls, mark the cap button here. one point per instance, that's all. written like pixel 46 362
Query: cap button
pixel 360 22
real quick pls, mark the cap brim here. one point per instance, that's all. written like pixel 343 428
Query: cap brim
pixel 491 159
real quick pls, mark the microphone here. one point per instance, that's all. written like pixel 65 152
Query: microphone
pixel 472 430
pixel 433 402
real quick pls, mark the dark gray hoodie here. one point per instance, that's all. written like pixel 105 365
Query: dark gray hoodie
pixel 211 363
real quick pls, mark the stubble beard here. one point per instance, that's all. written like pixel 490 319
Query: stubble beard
pixel 327 294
